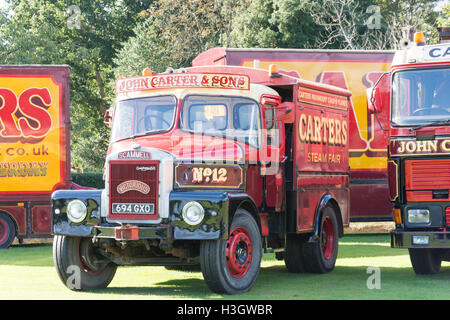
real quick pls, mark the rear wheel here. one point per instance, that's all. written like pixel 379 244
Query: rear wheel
pixel 320 256
pixel 293 255
pixel 78 265
pixel 425 261
pixel 232 266
pixel 7 231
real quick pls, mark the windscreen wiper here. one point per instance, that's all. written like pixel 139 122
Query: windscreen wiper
pixel 429 124
pixel 146 133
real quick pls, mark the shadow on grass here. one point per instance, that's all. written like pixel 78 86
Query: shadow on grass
pixel 275 283
pixel 178 288
pixel 352 246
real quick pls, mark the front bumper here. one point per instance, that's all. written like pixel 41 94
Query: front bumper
pixel 214 225
pixel 404 239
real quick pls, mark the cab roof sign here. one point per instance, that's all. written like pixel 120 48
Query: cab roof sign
pixel 183 80
pixel 438 52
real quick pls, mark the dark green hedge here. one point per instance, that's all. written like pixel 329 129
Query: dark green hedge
pixel 89 179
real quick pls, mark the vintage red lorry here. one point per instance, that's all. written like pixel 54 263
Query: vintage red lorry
pixel 210 166
pixel 354 70
pixel 418 91
pixel 34 147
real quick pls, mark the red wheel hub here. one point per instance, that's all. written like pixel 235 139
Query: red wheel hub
pixel 3 231
pixel 327 238
pixel 239 252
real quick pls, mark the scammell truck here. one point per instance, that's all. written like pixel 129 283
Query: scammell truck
pixel 212 166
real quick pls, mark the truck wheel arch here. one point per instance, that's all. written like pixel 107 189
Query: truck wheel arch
pixel 326 200
pixel 244 202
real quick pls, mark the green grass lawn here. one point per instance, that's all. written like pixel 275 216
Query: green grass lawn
pixel 27 272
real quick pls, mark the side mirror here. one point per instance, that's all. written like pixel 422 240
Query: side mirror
pixel 379 95
pixel 373 100
pixel 108 117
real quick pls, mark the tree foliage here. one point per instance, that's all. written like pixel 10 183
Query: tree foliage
pixel 274 24
pixel 172 34
pixel 105 39
pixel 84 35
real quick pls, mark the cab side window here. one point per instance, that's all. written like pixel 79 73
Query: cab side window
pixel 273 138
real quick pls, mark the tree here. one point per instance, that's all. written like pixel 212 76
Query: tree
pixel 173 33
pixel 85 35
pixel 358 24
pixel 274 24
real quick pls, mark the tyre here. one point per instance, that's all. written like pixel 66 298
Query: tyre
pixel 293 255
pixel 7 230
pixel 78 266
pixel 320 256
pixel 232 266
pixel 425 261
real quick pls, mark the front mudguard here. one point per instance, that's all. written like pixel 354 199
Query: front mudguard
pixel 61 225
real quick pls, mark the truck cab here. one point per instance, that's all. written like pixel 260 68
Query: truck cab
pixel 209 166
pixel 419 153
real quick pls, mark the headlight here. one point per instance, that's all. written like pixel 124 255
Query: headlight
pixel 418 216
pixel 193 213
pixel 76 211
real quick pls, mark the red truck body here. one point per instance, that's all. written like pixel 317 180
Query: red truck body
pixel 351 70
pixel 208 166
pixel 34 147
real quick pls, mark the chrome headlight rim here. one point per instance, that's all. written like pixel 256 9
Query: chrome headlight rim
pixel 187 215
pixel 75 218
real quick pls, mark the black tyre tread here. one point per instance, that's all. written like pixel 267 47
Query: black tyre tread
pixel 12 231
pixel 207 267
pixel 214 272
pixel 62 247
pixel 313 259
pixel 425 261
pixel 294 254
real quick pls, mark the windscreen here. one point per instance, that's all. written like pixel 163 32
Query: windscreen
pixel 420 96
pixel 232 117
pixel 135 117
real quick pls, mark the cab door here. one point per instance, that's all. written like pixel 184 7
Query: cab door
pixel 272 155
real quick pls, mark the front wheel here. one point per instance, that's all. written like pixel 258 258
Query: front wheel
pixel 425 261
pixel 78 265
pixel 232 266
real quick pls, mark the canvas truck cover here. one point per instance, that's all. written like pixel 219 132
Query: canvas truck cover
pixel 34 131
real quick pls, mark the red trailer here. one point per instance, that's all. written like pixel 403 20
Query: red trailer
pixel 34 148
pixel 207 167
pixel 368 138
